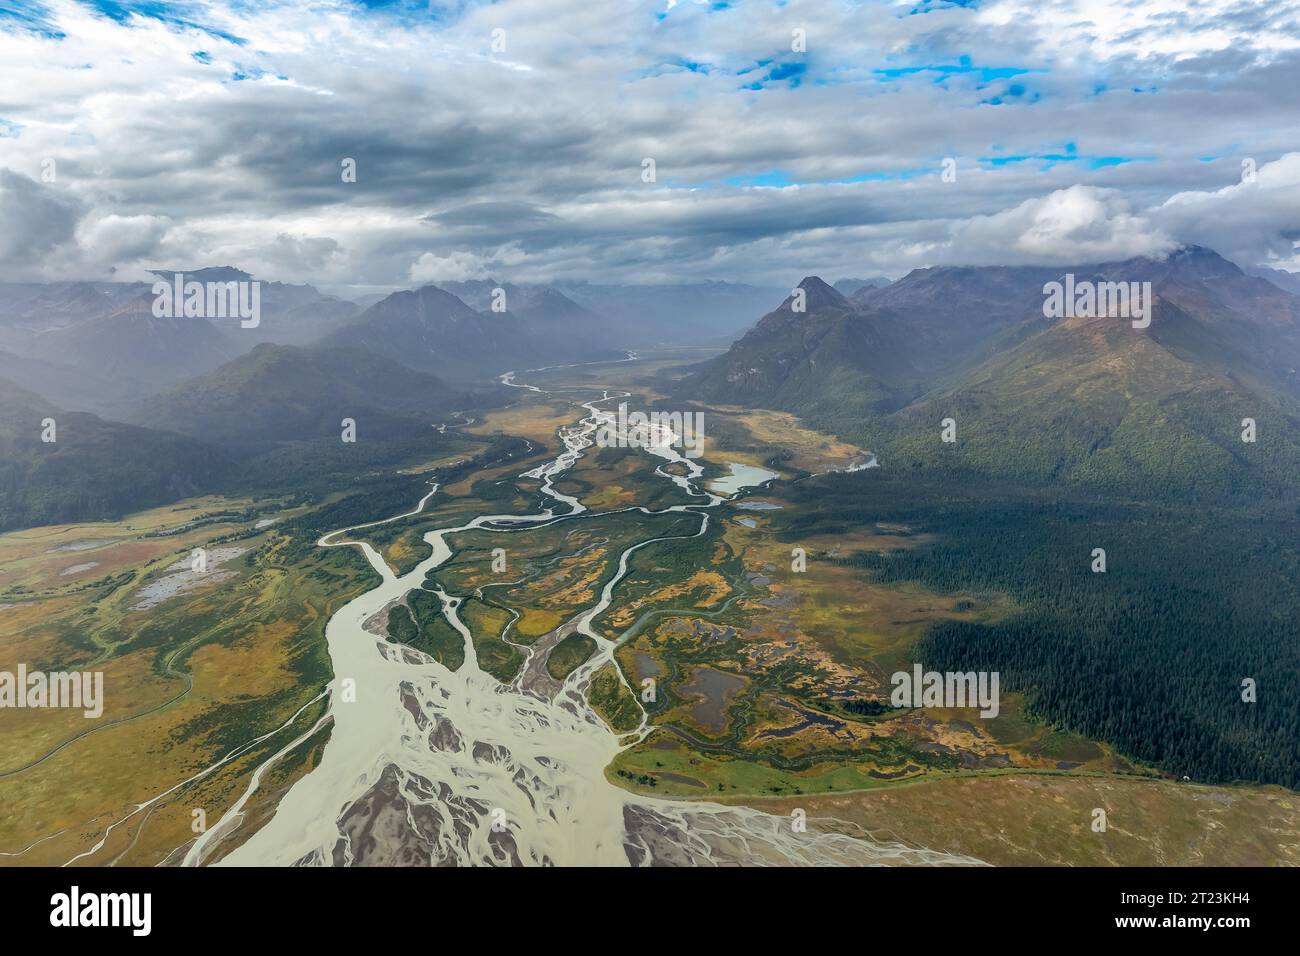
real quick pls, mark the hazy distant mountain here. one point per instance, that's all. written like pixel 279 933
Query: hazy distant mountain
pixel 849 287
pixel 97 346
pixel 363 302
pixel 1288 281
pixel 72 388
pixel 432 330
pixel 279 393
pixel 95 469
pixel 29 310
pixel 304 323
pixel 39 307
pixel 537 302
pixel 132 344
pixel 1086 399
pixel 290 314
pixel 704 313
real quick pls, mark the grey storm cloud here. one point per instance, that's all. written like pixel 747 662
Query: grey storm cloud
pixel 1075 127
pixel 33 220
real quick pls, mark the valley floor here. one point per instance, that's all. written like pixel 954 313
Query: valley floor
pixel 733 666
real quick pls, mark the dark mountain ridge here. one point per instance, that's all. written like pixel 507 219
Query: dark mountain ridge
pixel 94 469
pixel 281 393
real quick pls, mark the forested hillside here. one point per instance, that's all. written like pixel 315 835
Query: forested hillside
pixel 1149 655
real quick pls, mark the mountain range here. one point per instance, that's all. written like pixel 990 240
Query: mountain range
pixel 430 329
pixel 1088 400
pixel 1093 400
pixel 98 347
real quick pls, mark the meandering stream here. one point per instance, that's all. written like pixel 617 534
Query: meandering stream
pixel 430 766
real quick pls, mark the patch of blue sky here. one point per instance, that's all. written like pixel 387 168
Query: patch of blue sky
pixel 416 10
pixel 1014 93
pixel 675 65
pixel 9 129
pixel 708 6
pixel 823 74
pixel 175 14
pixel 34 17
pixel 964 67
pixel 1070 155
pixel 1101 162
pixel 776 179
pixel 929 6
pixel 791 74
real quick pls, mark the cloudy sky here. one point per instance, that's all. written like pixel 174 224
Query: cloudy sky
pixel 509 139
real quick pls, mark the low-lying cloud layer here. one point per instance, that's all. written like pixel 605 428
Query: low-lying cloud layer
pixel 510 139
